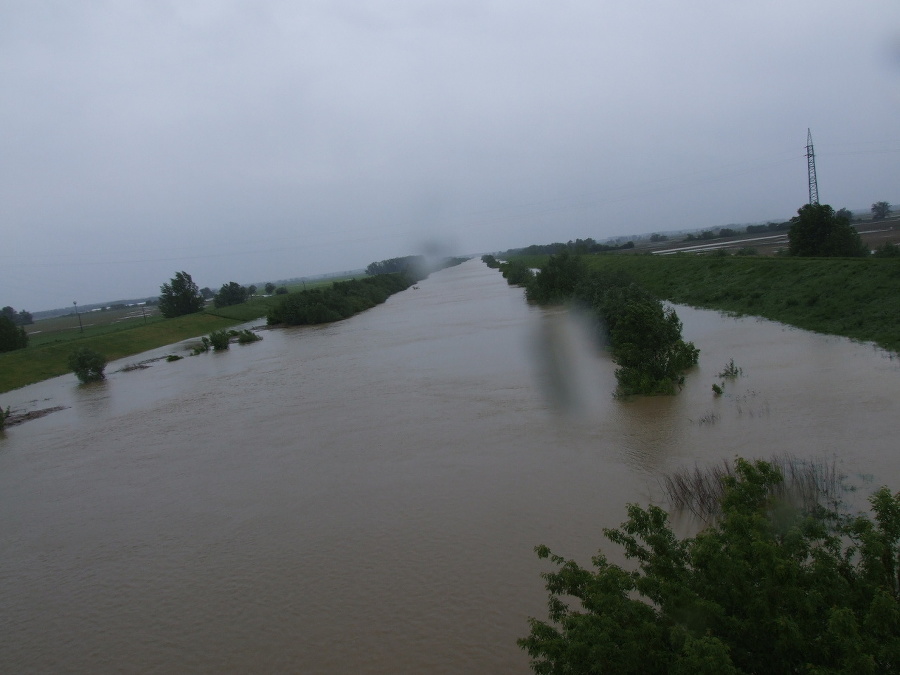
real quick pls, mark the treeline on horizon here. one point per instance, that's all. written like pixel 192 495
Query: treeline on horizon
pixel 578 247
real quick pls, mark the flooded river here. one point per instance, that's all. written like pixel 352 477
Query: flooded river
pixel 364 497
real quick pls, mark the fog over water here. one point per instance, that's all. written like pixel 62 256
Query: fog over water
pixel 365 496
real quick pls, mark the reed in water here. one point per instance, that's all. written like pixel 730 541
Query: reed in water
pixel 806 483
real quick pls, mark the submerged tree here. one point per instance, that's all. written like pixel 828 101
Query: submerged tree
pixel 647 346
pixel 643 335
pixel 87 364
pixel 769 588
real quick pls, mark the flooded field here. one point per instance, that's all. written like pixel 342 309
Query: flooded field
pixel 365 496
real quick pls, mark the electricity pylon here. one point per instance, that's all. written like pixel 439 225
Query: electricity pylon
pixel 811 163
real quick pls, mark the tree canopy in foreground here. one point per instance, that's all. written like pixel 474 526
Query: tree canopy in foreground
pixel 767 589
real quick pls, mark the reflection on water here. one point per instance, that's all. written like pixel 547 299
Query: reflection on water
pixel 365 496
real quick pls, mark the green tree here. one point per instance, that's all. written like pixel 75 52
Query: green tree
pixel 342 300
pixel 643 335
pixel 207 293
pixel 11 336
pixel 648 348
pixel 516 273
pixel 887 250
pixel 844 213
pixel 220 340
pixel 180 296
pixel 557 279
pixel 768 588
pixel 880 210
pixel 413 265
pixel 231 293
pixel 20 318
pixel 270 288
pixel 817 231
pixel 87 364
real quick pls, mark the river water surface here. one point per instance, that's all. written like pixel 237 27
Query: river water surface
pixel 365 496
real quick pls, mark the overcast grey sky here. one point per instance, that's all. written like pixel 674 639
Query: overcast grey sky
pixel 267 139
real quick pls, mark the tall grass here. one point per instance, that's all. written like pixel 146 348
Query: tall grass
pixel 807 484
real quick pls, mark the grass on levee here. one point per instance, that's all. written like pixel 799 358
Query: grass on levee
pixel 42 361
pixel 857 298
pixel 120 333
pixel 254 308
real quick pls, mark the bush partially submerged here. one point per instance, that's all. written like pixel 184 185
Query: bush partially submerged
pixel 87 364
pixel 643 335
pixel 516 273
pixel 245 337
pixel 219 340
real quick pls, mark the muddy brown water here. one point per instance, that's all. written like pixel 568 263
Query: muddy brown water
pixel 365 496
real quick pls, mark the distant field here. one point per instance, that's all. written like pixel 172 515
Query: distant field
pixel 45 331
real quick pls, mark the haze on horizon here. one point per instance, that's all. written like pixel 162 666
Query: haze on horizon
pixel 254 141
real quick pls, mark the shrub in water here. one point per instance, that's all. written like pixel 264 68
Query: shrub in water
pixel 87 364
pixel 248 336
pixel 731 370
pixel 219 340
pixel 202 347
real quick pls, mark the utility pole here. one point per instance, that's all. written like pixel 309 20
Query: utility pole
pixel 811 166
pixel 81 328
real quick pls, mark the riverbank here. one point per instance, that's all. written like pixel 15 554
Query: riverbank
pixel 320 303
pixel 41 362
pixel 853 297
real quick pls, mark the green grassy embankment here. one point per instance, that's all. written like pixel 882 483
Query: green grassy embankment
pixel 43 361
pixel 52 340
pixel 858 298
